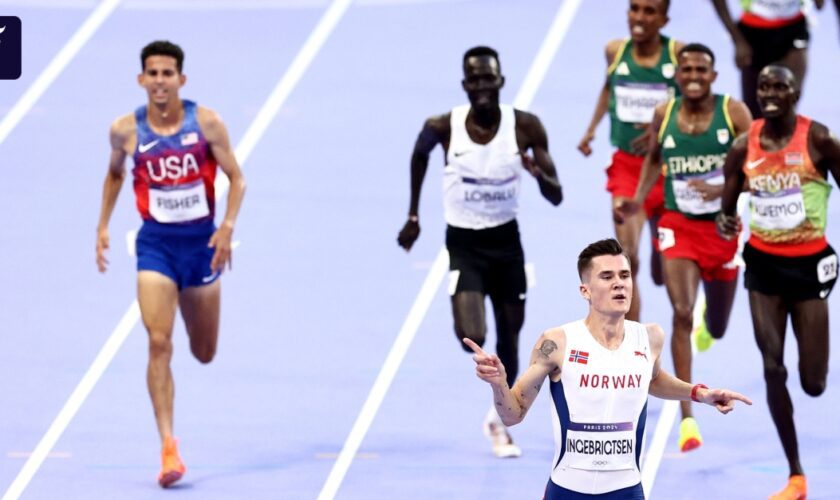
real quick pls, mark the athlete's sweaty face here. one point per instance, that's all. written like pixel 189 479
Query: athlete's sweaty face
pixel 646 18
pixel 161 78
pixel 608 284
pixel 695 74
pixel 777 91
pixel 482 81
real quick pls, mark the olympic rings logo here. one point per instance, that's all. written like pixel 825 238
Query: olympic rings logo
pixel 599 463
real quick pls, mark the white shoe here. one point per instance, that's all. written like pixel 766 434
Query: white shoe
pixel 497 433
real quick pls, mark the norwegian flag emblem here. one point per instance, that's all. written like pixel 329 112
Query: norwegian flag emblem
pixel 579 357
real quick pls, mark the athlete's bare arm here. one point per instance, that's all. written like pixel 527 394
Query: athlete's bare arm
pixel 741 118
pixel 666 386
pixel 123 138
pixel 546 361
pixel 215 132
pixel 601 104
pixel 530 135
pixel 435 131
pixel 743 51
pixel 727 221
pixel 825 150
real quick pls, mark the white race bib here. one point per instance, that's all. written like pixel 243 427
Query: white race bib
pixel 636 102
pixel 610 450
pixel 489 196
pixel 182 203
pixel 786 210
pixel 689 200
pixel 827 268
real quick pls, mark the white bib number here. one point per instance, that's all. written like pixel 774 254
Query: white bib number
pixel 635 102
pixel 179 203
pixel 827 269
pixel 606 451
pixel 690 201
pixel 778 212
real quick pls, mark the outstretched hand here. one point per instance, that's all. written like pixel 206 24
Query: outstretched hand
pixel 488 367
pixel 722 399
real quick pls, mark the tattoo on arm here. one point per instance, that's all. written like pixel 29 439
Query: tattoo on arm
pixel 547 347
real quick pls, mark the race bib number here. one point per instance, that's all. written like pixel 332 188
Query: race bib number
pixel 635 102
pixel 490 196
pixel 181 203
pixel 690 201
pixel 606 447
pixel 785 210
pixel 827 269
pixel 666 238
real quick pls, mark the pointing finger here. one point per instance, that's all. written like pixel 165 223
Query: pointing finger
pixel 472 345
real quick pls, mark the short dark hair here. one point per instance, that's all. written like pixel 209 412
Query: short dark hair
pixel 162 48
pixel 482 51
pixel 697 47
pixel 609 246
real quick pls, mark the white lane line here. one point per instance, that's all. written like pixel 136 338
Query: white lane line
pixel 668 415
pixel 418 310
pixel 304 58
pixel 55 67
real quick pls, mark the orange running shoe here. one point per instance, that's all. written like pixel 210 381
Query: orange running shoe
pixel 795 489
pixel 172 468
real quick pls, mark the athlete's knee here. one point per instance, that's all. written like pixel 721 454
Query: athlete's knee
pixel 203 352
pixel 683 317
pixel 774 373
pixel 476 333
pixel 160 345
pixel 813 386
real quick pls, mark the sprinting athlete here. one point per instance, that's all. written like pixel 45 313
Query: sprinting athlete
pixel 485 144
pixel 176 146
pixel 695 132
pixel 640 75
pixel 601 370
pixel 790 267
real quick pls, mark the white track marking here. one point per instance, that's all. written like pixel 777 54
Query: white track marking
pixel 272 105
pixel 418 310
pixel 55 67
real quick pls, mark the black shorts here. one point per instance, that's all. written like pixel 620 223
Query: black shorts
pixel 793 278
pixel 489 261
pixel 771 45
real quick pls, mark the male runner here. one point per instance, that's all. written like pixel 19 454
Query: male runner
pixel 694 133
pixel 485 144
pixel 601 370
pixel 769 31
pixel 640 75
pixel 791 268
pixel 176 146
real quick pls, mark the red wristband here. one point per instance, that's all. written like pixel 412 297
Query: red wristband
pixel 694 391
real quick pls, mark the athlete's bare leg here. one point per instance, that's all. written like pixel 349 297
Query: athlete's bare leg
pixel 656 266
pixel 468 313
pixel 158 298
pixel 200 308
pixel 749 84
pixel 769 315
pixel 797 61
pixel 810 325
pixel 720 295
pixel 628 234
pixel 682 280
pixel 509 319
